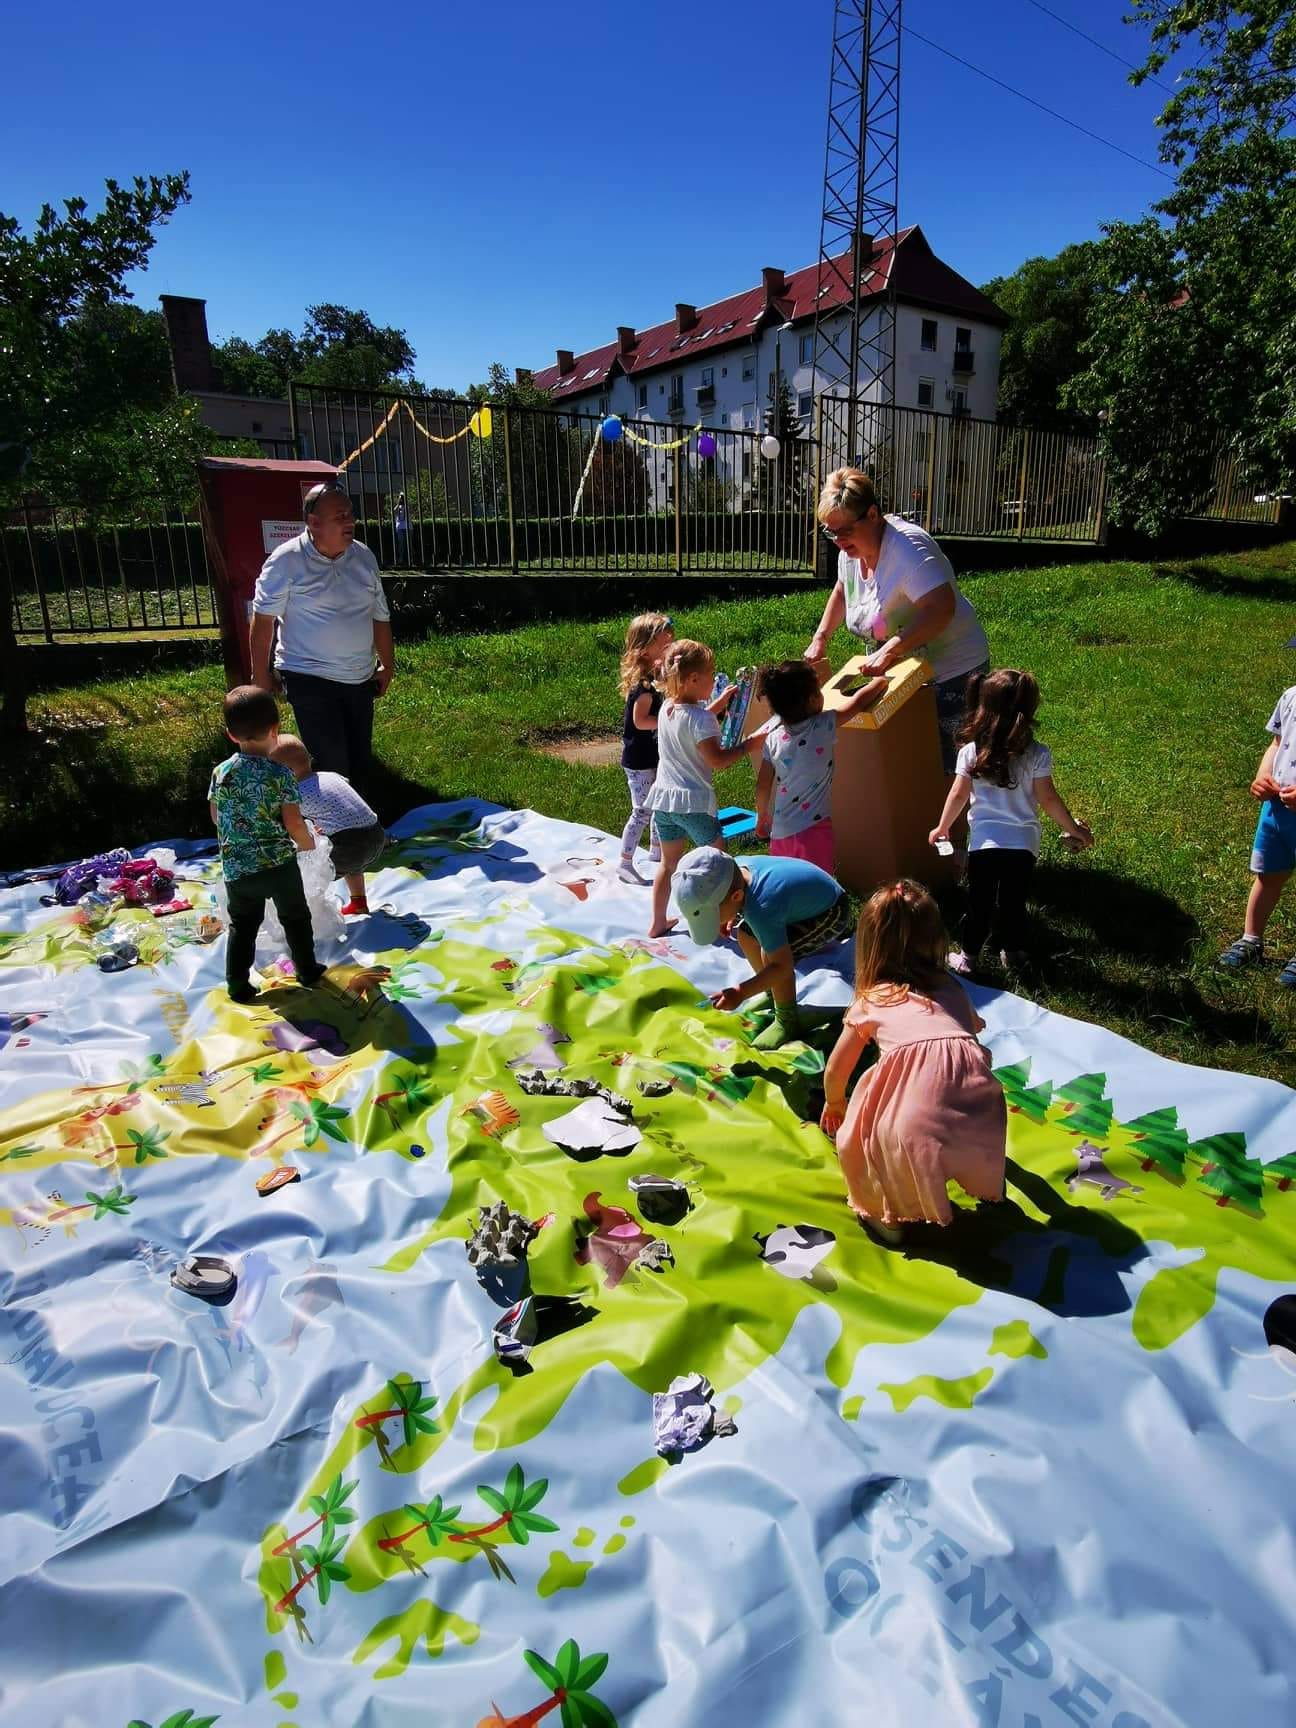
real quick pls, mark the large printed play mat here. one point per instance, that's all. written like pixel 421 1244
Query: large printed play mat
pixel 546 1376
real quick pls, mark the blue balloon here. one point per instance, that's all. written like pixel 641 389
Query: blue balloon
pixel 611 429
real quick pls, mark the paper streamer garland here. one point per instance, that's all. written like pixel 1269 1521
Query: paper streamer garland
pixel 480 425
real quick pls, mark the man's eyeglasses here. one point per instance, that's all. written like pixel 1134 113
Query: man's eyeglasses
pixel 835 534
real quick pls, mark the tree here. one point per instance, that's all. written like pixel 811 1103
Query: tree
pixel 1048 300
pixel 1031 1101
pixel 1192 339
pixel 338 348
pixel 57 288
pixel 1281 1171
pixel 1226 1168
pixel 1088 1109
pixel 1161 1141
pixel 778 483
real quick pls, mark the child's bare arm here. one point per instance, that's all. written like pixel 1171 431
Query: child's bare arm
pixel 718 704
pixel 642 715
pixel 956 800
pixel 1050 799
pixel 837 1073
pixel 211 805
pixel 717 757
pixel 863 697
pixel 1264 785
pixel 764 799
pixel 298 832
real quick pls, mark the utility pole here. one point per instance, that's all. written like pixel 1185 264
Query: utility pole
pixel 855 351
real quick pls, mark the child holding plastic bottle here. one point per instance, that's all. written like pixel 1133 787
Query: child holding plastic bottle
pixel 332 805
pixel 689 755
pixel 647 639
pixel 1007 777
pixel 929 1110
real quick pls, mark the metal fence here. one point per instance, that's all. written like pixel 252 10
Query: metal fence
pixel 441 484
pixel 138 566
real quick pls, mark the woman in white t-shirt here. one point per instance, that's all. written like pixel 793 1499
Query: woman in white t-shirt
pixel 1007 776
pixel 895 587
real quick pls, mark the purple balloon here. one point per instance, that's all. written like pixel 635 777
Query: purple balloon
pixel 706 444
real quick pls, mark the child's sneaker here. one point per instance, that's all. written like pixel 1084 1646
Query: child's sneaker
pixel 243 993
pixel 959 963
pixel 357 908
pixel 1246 951
pixel 1287 977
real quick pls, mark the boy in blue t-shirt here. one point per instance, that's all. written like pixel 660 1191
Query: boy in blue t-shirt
pixel 256 807
pixel 778 909
pixel 1273 851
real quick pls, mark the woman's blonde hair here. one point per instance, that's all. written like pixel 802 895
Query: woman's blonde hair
pixel 900 945
pixel 681 661
pixel 643 632
pixel 847 489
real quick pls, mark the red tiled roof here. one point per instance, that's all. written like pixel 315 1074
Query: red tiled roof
pixel 921 279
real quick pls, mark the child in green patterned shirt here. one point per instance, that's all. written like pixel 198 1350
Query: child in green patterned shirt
pixel 257 811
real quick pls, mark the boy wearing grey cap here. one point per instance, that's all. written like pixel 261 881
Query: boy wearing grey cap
pixel 777 909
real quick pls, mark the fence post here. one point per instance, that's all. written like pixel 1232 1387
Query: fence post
pixel 508 488
pixel 37 575
pixel 678 491
pixel 1021 489
pixel 931 470
pixel 13 682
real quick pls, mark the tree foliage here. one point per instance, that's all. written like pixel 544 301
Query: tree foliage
pixel 1049 302
pixel 1192 333
pixel 338 348
pixel 70 345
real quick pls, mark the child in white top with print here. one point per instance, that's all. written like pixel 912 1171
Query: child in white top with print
pixel 1007 777
pixel 689 753
pixel 794 782
pixel 337 810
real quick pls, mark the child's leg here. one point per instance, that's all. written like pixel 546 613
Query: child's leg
pixel 247 897
pixel 639 781
pixel 355 887
pixel 1015 871
pixel 672 852
pixel 786 1023
pixel 1264 896
pixel 289 896
pixel 983 888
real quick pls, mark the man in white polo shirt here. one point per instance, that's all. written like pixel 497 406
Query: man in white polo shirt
pixel 334 651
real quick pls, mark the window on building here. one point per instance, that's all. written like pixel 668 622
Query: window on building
pixel 677 390
pixel 747 465
pixel 926 392
pixel 803 405
pixel 807 350
pixel 643 395
pixel 749 369
pixel 962 338
pixel 958 402
pixel 929 335
pixel 708 377
pixel 724 419
pixel 602 404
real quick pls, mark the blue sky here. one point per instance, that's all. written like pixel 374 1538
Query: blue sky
pixel 500 180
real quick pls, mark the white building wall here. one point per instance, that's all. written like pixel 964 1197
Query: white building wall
pixel 740 378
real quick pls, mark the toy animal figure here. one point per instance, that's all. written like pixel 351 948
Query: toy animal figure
pixel 1091 1168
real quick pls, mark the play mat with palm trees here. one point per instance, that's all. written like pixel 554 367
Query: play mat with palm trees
pixel 554 1380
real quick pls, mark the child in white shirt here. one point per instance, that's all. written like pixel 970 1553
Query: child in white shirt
pixel 689 753
pixel 1007 777
pixel 331 803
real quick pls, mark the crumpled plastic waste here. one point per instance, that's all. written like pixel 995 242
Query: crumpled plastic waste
pixel 685 1417
pixel 618 1243
pixel 206 1276
pixel 656 1088
pixel 119 957
pixel 661 1199
pixel 597 1125
pixel 515 1336
pixel 794 1250
pixel 327 924
pixel 141 882
pixel 538 1084
pixel 82 878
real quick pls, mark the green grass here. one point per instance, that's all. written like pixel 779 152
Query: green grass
pixel 1157 681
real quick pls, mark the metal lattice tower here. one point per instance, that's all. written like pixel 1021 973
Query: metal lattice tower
pixel 854 352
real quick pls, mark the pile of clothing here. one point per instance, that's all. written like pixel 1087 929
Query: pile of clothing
pixel 115 874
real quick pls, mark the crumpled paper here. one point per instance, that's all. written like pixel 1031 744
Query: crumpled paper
pixel 515 1336
pixel 595 1126
pixel 660 1199
pixel 685 1417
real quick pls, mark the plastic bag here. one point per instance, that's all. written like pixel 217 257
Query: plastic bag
pixel 327 924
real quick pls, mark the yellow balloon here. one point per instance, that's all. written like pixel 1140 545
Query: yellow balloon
pixel 480 424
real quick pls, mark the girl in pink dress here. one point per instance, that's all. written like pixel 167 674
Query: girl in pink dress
pixel 929 1109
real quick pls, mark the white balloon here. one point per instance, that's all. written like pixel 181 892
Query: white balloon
pixel 769 447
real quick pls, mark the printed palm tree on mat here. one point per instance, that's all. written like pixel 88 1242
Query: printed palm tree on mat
pixel 331 1510
pixel 407 1402
pixel 17 1152
pixel 116 1200
pixel 181 1719
pixel 260 1074
pixel 146 1143
pixel 316 1118
pixel 320 1566
pixel 515 1509
pixel 569 1678
pixel 414 1092
pixel 138 1074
